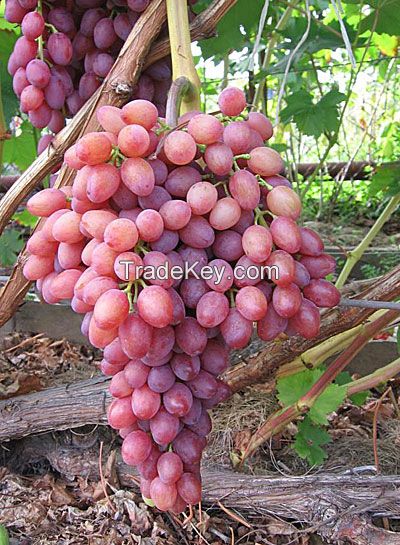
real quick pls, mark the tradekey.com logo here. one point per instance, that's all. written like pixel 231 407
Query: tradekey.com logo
pixel 215 273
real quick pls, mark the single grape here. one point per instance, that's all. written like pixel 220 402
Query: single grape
pixel 111 309
pixel 140 112
pixel 319 266
pixel 135 336
pixel 236 330
pixel 265 161
pixel 282 268
pixel 237 136
pixel 322 293
pixel 164 427
pixel 311 243
pixel 225 214
pixel 257 243
pixel 307 320
pixel 180 148
pixel 136 373
pixel 232 101
pixel 202 198
pixel 121 235
pixel 219 158
pixel 287 300
pixel 136 447
pixel 120 413
pixel 138 176
pixel 145 403
pixel 169 467
pixel 60 49
pixel 155 306
pixel 133 140
pixel 251 303
pixel 283 201
pixel 178 399
pixel 163 495
pixel 198 233
pixel 205 129
pixel 191 337
pixel 119 386
pixel 188 446
pixel 260 123
pixel 243 186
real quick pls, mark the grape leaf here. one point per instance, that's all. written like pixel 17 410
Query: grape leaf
pixel 313 119
pixel 10 102
pixel 386 178
pixel 291 388
pixel 20 150
pixel 344 379
pixel 309 440
pixel 384 19
pixel 10 244
pixel 233 29
pixel 330 399
pixel 25 218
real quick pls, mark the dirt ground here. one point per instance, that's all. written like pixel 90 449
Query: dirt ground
pixel 41 506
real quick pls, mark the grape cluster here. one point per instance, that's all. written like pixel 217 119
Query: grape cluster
pixel 207 197
pixel 66 50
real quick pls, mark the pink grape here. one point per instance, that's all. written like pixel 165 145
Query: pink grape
pixel 322 293
pixel 257 243
pixel 180 148
pixel 243 186
pixel 205 129
pixel 232 101
pixel 265 161
pixel 283 201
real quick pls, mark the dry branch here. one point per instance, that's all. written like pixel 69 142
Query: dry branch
pixel 84 403
pixel 336 506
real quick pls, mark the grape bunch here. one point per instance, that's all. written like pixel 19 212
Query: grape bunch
pixel 66 50
pixel 161 243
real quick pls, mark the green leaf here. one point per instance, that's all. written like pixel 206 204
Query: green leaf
pixel 329 401
pixel 386 178
pixel 25 218
pixel 10 244
pixel 10 101
pixel 309 440
pixel 233 29
pixel 20 150
pixel 4 540
pixel 384 19
pixel 313 119
pixel 291 388
pixel 344 379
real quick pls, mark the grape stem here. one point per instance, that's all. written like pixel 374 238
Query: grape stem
pixel 365 303
pixel 259 217
pixel 179 88
pixel 181 54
